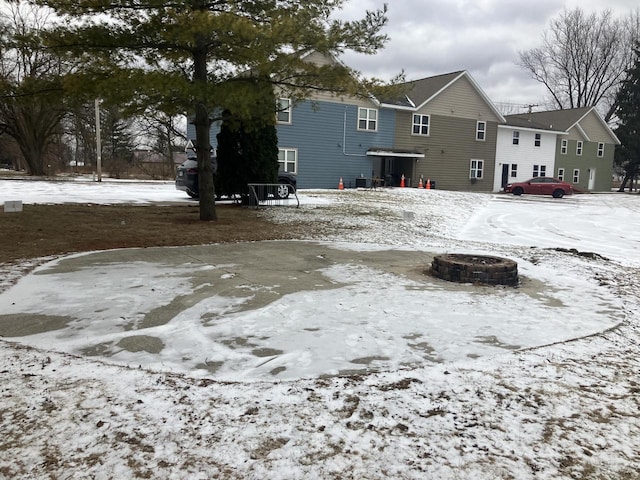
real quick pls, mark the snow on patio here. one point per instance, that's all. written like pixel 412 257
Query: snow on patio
pixel 567 410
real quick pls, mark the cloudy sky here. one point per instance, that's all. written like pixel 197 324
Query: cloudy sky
pixel 431 37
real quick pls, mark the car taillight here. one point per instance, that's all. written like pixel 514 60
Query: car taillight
pixel 192 170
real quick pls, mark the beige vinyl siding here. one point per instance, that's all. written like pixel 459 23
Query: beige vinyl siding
pixel 594 129
pixel 347 100
pixel 332 98
pixel 319 59
pixel 448 151
pixel 322 60
pixel 574 134
pixel 460 100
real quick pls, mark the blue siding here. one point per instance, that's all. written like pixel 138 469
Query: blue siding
pixel 328 142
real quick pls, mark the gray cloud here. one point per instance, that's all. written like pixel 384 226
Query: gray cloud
pixel 484 37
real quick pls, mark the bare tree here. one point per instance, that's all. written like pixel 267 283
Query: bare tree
pixel 583 59
pixel 162 135
pixel 31 108
pixel 81 134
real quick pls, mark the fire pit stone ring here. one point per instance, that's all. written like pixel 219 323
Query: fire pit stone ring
pixel 478 269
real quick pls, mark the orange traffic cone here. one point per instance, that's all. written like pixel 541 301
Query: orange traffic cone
pixel 428 184
pixel 402 181
pixel 340 184
pixel 420 183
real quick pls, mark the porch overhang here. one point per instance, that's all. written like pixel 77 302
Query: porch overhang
pixel 382 152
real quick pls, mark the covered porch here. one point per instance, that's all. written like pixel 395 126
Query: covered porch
pixel 389 165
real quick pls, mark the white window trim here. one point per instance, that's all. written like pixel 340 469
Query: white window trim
pixel 483 131
pixel 561 174
pixel 537 140
pixel 515 137
pixel 576 175
pixel 286 110
pixel 420 125
pixel 514 170
pixel 473 172
pixel 579 147
pixel 295 161
pixel 367 118
pixel 564 146
pixel 600 150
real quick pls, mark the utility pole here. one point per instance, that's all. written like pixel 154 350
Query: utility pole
pixel 98 145
pixel 530 107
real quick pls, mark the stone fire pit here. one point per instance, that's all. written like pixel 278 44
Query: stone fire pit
pixel 463 268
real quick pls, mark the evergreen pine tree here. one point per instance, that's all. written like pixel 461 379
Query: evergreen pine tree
pixel 248 148
pixel 628 132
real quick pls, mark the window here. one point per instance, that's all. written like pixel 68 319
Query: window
pixel 288 159
pixel 537 140
pixel 514 170
pixel 516 137
pixel 420 125
pixel 481 131
pixel 367 119
pixel 476 168
pixel 284 110
pixel 561 174
pixel 539 170
pixel 600 150
pixel 576 176
pixel 563 147
pixel 579 148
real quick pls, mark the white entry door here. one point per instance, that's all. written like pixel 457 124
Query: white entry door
pixel 592 179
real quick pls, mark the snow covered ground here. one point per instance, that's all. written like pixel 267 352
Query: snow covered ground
pixel 472 408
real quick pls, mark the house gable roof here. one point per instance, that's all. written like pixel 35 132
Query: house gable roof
pixel 524 121
pixel 562 120
pixel 418 93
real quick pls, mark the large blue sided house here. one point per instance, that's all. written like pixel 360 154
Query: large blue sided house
pixel 323 140
pixel 328 138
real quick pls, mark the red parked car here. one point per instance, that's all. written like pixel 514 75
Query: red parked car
pixel 540 186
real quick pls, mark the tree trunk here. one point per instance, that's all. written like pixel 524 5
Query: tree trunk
pixel 631 172
pixel 624 182
pixel 202 124
pixel 33 158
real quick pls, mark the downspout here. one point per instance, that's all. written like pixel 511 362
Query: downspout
pixel 344 139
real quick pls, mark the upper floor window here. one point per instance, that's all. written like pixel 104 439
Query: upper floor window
pixel 420 125
pixel 288 159
pixel 564 144
pixel 481 130
pixel 579 148
pixel 538 139
pixel 561 174
pixel 283 114
pixel 516 137
pixel 601 150
pixel 367 119
pixel 476 169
